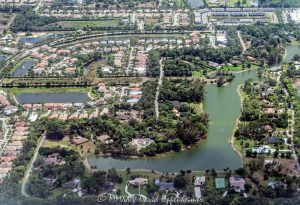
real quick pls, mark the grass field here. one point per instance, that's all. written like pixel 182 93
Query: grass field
pixel 83 24
pixel 197 74
pixel 85 150
pixel 234 68
pixel 230 3
pixel 198 107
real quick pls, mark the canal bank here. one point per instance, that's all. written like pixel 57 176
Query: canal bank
pixel 223 107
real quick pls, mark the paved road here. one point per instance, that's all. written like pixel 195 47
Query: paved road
pixel 29 170
pixel 4 140
pixel 161 74
pixel 242 41
pixel 130 60
pixel 292 141
pixel 9 23
pixel 41 3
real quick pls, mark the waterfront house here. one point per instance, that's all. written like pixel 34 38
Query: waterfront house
pixel 79 140
pixel 237 183
pixel 138 181
pixel 74 184
pixel 199 181
pixel 164 186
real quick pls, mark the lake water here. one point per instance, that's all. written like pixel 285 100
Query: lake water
pixel 291 50
pixel 39 39
pixel 23 69
pixel 2 58
pixel 196 3
pixel 67 97
pixel 223 106
pixel 86 66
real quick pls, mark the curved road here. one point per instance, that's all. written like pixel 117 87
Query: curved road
pixel 29 170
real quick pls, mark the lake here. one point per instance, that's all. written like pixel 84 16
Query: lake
pixel 223 107
pixel 196 3
pixel 66 97
pixel 2 58
pixel 291 50
pixel 23 69
pixel 39 39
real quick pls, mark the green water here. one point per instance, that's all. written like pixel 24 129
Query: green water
pixel 291 50
pixel 223 107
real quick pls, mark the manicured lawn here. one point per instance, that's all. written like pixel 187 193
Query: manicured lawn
pixel 197 74
pixel 230 3
pixel 82 24
pixel 243 94
pixel 87 148
pixel 198 107
pixel 232 68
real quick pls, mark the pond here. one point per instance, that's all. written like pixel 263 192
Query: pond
pixel 223 107
pixel 23 68
pixel 62 97
pixel 2 58
pixel 291 50
pixel 92 64
pixel 196 3
pixel 39 39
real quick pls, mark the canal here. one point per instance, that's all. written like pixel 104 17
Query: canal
pixel 223 106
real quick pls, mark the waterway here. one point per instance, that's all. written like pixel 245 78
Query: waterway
pixel 223 106
pixel 66 97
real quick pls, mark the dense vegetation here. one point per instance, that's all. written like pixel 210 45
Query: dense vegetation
pixel 27 20
pixel 257 125
pixel 267 40
pixel 61 173
pixel 279 3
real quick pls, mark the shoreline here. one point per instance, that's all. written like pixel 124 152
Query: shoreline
pixel 133 157
pixel 232 138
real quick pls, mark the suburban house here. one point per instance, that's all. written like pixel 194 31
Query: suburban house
pixel 237 183
pixel 138 181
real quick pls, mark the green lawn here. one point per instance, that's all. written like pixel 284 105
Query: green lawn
pixel 198 107
pixel 232 68
pixel 230 3
pixel 197 74
pixel 96 23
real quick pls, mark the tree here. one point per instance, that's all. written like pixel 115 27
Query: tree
pixel 180 182
pixel 55 130
pixel 176 145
